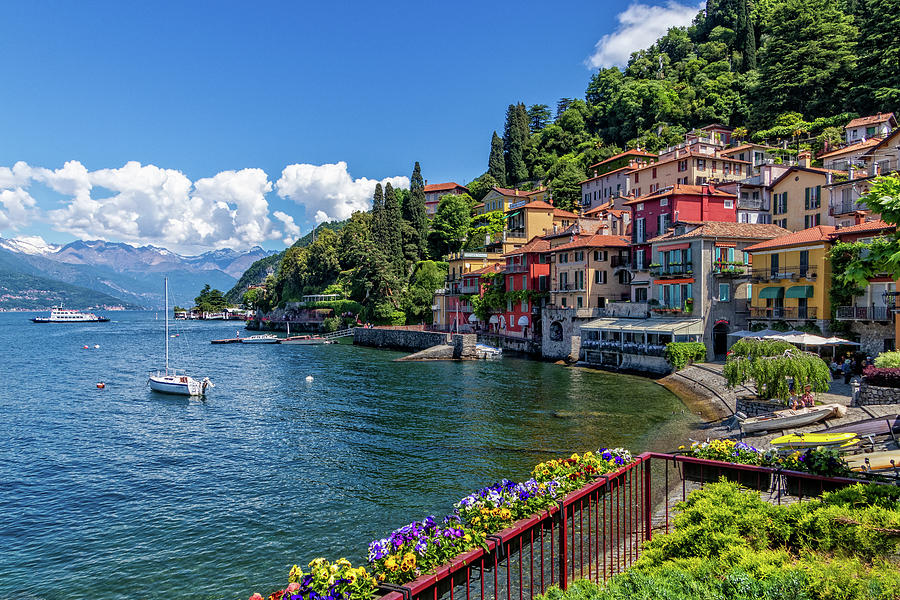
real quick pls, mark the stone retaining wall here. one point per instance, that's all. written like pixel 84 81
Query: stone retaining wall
pixel 754 408
pixel 870 394
pixel 399 339
pixel 506 342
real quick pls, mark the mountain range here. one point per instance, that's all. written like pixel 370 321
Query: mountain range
pixel 113 271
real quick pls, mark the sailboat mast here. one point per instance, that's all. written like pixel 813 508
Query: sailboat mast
pixel 167 325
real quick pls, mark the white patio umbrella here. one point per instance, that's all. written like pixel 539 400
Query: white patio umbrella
pixel 836 341
pixel 766 333
pixel 804 339
pixel 742 333
pixel 473 318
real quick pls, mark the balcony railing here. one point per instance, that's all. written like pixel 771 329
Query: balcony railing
pixel 569 287
pixel 794 273
pixel 672 271
pixel 753 204
pixel 516 268
pixel 730 269
pixel 845 207
pixel 619 261
pixel 468 289
pixel 864 313
pixel 672 311
pixel 785 313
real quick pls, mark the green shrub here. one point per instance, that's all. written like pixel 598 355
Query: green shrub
pixel 888 360
pixel 679 354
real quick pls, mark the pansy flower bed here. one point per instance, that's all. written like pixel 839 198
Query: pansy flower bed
pixel 420 546
pixel 729 451
pixel 493 508
pixel 576 471
pixel 326 581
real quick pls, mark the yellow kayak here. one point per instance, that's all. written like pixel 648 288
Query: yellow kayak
pixel 811 440
pixel 877 460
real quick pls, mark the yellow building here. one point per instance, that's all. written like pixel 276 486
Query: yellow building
pixel 791 278
pixel 503 199
pixel 797 201
pixel 529 219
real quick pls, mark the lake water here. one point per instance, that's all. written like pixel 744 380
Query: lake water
pixel 125 493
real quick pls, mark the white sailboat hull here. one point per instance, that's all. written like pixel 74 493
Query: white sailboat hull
pixel 181 385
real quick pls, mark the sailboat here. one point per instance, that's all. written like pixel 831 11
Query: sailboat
pixel 170 381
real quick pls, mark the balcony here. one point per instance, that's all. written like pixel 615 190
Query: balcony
pixel 515 269
pixel 794 273
pixel 663 310
pixel 791 313
pixel 619 262
pixel 569 287
pixel 468 289
pixel 753 204
pixel 864 313
pixel 846 207
pixel 730 269
pixel 671 271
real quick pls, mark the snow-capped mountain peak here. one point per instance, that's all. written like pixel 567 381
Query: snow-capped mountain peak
pixel 29 244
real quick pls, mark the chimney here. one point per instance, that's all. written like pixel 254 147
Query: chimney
pixel 851 171
pixel 805 158
pixel 828 178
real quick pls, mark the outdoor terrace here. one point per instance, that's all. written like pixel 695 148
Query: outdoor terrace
pixel 864 313
pixel 786 313
pixel 795 273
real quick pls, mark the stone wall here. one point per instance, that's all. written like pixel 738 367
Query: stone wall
pixel 561 329
pixel 511 343
pixel 399 339
pixel 870 394
pixel 464 345
pixel 752 407
pixel 872 336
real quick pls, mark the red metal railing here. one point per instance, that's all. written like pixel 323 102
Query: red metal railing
pixel 594 532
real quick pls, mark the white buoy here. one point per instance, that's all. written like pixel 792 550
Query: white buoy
pixel 309 378
pixel 96 346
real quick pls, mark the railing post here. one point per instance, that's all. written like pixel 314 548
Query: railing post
pixel 648 507
pixel 563 547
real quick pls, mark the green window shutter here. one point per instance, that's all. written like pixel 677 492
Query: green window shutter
pixel 818 196
pixel 807 198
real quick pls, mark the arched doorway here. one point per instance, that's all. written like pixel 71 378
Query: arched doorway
pixel 720 339
pixel 556 331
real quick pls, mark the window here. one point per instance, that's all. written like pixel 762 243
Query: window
pixel 637 177
pixel 724 292
pixel 600 255
pixel 563 281
pixel 579 256
pixel 663 222
pixel 653 175
pixel 564 302
pixel 701 164
pixel 779 205
pixel 714 166
pixel 737 169
pixel 524 282
pixel 640 295
pixel 543 284
pixel 663 201
pixel 701 180
pixel 640 206
pixel 682 165
pixel 870 131
pixel 600 277
pixel 524 305
pixel 639 231
pixel 726 168
pixel 813 197
pixel 579 280
pixel 564 258
pixel 579 302
pixel 729 203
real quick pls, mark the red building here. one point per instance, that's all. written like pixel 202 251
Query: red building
pixel 652 215
pixel 527 268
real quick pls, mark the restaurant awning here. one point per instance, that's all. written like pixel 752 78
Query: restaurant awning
pixel 511 215
pixel 799 291
pixel 772 292
pixel 473 318
pixel 493 319
pixel 673 326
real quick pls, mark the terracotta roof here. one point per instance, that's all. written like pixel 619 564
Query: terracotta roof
pixel 689 190
pixel 870 120
pixel 624 154
pixel 745 147
pixel 738 231
pixel 692 154
pixel 868 226
pixel 440 187
pixel 873 141
pixel 512 192
pixel 479 205
pixel 595 241
pixel 489 269
pixel 795 168
pixel 537 191
pixel 819 233
pixel 885 141
pixel 613 172
pixel 599 208
pixel 558 212
pixel 536 204
pixel 535 244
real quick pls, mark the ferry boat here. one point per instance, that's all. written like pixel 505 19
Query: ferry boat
pixel 65 315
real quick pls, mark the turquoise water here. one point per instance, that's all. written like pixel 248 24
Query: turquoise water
pixel 124 493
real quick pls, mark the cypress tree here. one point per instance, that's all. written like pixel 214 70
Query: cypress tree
pixel 746 39
pixel 496 166
pixel 515 138
pixel 393 224
pixel 415 216
pixel 379 235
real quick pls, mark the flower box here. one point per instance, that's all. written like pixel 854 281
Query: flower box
pixel 795 485
pixel 701 473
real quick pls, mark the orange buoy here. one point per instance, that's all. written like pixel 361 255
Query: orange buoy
pixel 101 385
pixel 85 347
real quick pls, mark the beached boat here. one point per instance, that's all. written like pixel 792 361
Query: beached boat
pixel 65 315
pixel 305 340
pixel 171 381
pixel 262 338
pixel 875 461
pixel 813 440
pixel 790 418
pixel 877 426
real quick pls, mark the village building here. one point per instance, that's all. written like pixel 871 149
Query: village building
pixel 796 198
pixel 448 310
pixel 790 279
pixel 844 192
pixel 435 191
pixel 527 274
pixel 865 128
pixel 589 271
pixel 609 182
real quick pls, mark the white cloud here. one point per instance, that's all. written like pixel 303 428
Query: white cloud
pixel 328 192
pixel 291 229
pixel 17 176
pixel 640 25
pixel 16 208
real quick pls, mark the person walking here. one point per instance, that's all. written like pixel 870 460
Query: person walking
pixel 848 370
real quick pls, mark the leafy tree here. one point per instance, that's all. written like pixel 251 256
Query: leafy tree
pixel 515 140
pixel 450 227
pixel 566 183
pixel 496 164
pixel 879 55
pixel 479 187
pixel 807 59
pixel 210 300
pixel 484 226
pixel 562 105
pixel 538 117
pixel 414 215
pixel 427 277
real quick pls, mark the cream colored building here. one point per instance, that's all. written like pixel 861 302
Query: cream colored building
pixel 588 271
pixel 797 200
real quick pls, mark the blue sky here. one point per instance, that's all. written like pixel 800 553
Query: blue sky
pixel 217 100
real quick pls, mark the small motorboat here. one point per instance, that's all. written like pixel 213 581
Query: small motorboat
pixel 305 340
pixel 263 338
pixel 487 352
pixel 814 440
pixel 791 418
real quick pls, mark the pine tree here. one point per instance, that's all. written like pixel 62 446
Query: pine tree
pixel 393 224
pixel 538 117
pixel 515 139
pixel 496 166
